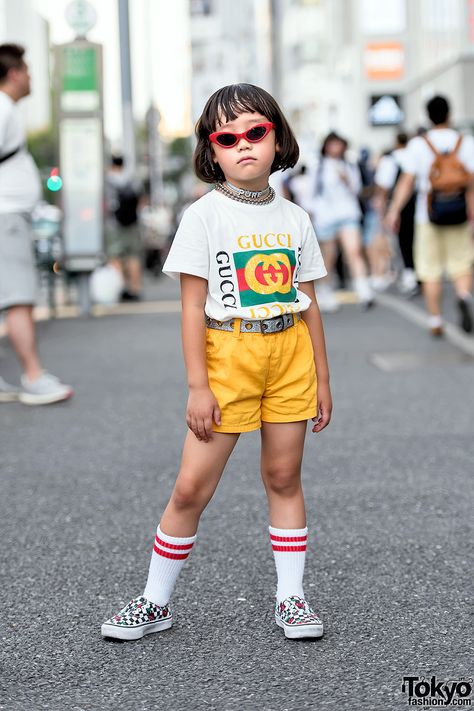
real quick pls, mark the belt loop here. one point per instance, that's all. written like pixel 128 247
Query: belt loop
pixel 237 322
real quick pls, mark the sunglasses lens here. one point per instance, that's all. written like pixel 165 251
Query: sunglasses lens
pixel 226 139
pixel 257 133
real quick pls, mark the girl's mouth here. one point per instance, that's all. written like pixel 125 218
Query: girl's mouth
pixel 245 160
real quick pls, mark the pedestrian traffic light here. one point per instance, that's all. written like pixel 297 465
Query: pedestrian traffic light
pixel 54 182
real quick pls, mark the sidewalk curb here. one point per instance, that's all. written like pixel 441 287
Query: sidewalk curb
pixel 419 318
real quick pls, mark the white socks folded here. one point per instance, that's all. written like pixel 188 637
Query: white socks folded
pixel 289 549
pixel 168 557
pixel 170 553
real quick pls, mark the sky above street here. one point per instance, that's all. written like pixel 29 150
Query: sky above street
pixel 160 57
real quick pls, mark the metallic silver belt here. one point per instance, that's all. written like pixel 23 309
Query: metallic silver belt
pixel 266 325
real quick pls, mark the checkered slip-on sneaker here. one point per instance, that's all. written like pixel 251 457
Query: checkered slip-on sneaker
pixel 138 618
pixel 297 619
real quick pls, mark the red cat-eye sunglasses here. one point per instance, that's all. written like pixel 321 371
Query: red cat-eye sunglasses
pixel 229 139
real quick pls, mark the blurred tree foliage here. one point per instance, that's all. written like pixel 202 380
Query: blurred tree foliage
pixel 43 147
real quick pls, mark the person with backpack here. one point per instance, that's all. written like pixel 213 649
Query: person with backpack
pixel 123 231
pixel 386 179
pixel 441 164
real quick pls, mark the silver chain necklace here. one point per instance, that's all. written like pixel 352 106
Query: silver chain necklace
pixel 249 197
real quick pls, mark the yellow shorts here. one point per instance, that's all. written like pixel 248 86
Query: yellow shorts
pixel 443 248
pixel 257 377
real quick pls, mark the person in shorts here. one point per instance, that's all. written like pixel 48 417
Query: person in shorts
pixel 253 346
pixel 19 191
pixel 438 249
pixel 123 238
pixel 336 214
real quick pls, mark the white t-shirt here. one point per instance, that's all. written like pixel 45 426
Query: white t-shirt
pixel 253 256
pixel 418 157
pixel 387 169
pixel 334 199
pixel 20 186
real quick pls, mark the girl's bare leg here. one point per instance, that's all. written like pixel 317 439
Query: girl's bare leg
pixel 282 454
pixel 201 468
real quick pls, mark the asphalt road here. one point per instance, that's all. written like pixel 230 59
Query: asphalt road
pixel 389 498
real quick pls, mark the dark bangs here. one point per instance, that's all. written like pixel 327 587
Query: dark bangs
pixel 227 104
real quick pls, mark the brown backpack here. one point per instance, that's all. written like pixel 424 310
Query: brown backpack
pixel 448 179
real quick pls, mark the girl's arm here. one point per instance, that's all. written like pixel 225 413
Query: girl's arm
pixel 312 318
pixel 202 406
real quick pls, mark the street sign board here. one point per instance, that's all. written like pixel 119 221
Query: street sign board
pixel 81 152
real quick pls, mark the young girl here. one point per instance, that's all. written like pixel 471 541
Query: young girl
pixel 253 342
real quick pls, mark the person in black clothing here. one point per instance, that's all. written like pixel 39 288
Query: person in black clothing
pixel 386 179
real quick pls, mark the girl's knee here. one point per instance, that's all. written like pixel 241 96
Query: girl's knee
pixel 285 482
pixel 188 495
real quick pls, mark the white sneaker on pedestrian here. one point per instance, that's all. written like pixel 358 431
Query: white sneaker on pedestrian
pixel 381 283
pixel 408 284
pixel 364 292
pixel 8 393
pixel 44 390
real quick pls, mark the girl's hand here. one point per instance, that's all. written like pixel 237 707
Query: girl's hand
pixel 202 409
pixel 324 407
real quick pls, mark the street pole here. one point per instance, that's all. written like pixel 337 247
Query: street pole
pixel 129 149
pixel 276 47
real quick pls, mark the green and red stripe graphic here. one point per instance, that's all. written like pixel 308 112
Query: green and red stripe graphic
pixel 265 276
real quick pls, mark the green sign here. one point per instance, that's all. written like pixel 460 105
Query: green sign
pixel 80 71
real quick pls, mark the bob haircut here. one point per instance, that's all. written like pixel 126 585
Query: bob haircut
pixel 333 136
pixel 225 105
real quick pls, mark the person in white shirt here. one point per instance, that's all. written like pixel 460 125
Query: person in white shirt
pixel 19 192
pixel 445 247
pixel 386 177
pixel 253 344
pixel 336 214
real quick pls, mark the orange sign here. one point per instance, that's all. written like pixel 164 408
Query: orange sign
pixel 384 60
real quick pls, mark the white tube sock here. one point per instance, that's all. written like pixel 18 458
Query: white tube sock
pixel 289 550
pixel 168 557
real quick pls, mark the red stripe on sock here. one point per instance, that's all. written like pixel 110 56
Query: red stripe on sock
pixel 173 556
pixel 288 539
pixel 289 549
pixel 174 547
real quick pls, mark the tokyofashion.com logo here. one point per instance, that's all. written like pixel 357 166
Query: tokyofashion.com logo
pixel 431 692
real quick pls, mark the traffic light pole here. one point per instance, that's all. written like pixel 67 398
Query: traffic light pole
pixel 129 149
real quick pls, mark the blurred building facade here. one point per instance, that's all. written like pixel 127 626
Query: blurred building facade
pixel 230 42
pixel 361 67
pixel 21 24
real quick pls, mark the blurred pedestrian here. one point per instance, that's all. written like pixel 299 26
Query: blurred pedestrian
pixel 20 190
pixel 247 260
pixel 441 164
pixel 336 214
pixel 387 175
pixel 374 240
pixel 299 186
pixel 123 238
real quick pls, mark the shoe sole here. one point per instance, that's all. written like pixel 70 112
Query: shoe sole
pixel 30 399
pixel 9 397
pixel 300 631
pixel 131 634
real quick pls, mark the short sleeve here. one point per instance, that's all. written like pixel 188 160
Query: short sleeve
pixel 466 153
pixel 189 252
pixel 409 158
pixel 5 117
pixel 312 265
